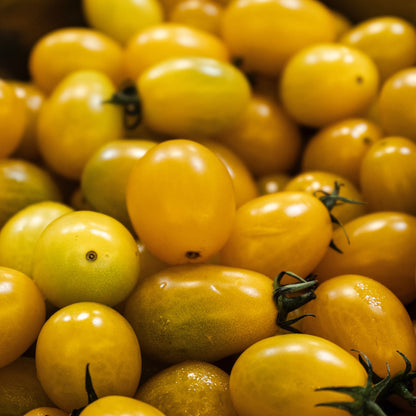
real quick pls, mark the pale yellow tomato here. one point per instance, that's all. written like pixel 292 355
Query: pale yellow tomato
pixel 328 82
pixel 181 201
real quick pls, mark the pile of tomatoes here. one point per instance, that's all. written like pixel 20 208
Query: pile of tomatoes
pixel 208 207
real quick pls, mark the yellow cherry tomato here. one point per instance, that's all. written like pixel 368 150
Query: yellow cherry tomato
pixel 87 333
pixel 194 312
pixel 265 137
pixel 120 406
pixel 181 201
pixel 388 175
pixel 105 175
pixel 46 411
pixel 244 184
pixel 354 311
pixel 328 82
pixel 340 147
pixel 85 256
pixel 13 119
pixel 201 14
pixel 23 183
pixel 75 121
pixel 254 31
pixel 201 96
pixel 321 181
pixel 270 184
pixel 149 264
pixel 279 375
pixel 121 19
pixel 396 104
pixel 389 40
pixel 66 50
pixel 183 387
pixel 284 231
pixel 21 232
pixel 33 99
pixel 342 23
pixel 382 247
pixel 20 389
pixel 22 314
pixel 169 40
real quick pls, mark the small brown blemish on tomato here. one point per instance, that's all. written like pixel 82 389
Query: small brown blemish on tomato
pixel 367 141
pixel 359 79
pixel 192 255
pixel 91 255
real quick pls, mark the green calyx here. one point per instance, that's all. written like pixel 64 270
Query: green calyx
pixel 285 302
pixel 331 200
pixel 128 98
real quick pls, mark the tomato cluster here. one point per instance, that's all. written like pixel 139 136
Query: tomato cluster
pixel 208 207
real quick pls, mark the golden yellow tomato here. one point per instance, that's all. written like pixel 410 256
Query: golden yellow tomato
pixel 194 312
pixel 181 201
pixel 264 34
pixel 46 411
pixel 169 40
pixel 328 82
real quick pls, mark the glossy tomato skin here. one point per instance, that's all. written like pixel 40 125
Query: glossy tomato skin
pixel 66 50
pixel 201 96
pixel 248 27
pixel 81 333
pixel 382 247
pixel 388 175
pixel 284 231
pixel 181 201
pixel 278 376
pixel 356 312
pixel 194 312
pixel 75 121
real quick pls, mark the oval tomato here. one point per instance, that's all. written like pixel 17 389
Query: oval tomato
pixel 194 312
pixel 356 312
pixel 278 376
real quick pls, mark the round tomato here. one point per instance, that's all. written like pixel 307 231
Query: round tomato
pixel 201 96
pixel 85 256
pixel 382 246
pixel 328 82
pixel 46 411
pixel 22 314
pixel 249 28
pixel 182 388
pixel 284 231
pixel 75 121
pixel 390 41
pixel 359 313
pixel 120 406
pixel 181 201
pixel 388 175
pixel 194 312
pixel 66 50
pixel 279 375
pixel 87 333
pixel 167 40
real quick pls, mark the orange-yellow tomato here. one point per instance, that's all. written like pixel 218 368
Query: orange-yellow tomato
pixel 87 333
pixel 181 201
pixel 390 41
pixel 195 312
pixel 169 40
pixel 320 181
pixel 76 120
pixel 121 19
pixel 269 184
pixel 46 411
pixel 388 175
pixel 65 50
pixel 397 104
pixel 382 247
pixel 265 137
pixel 359 313
pixel 22 314
pixel 340 147
pixel 13 119
pixel 254 31
pixel 201 14
pixel 328 82
pixel 284 231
